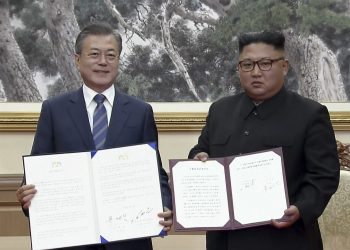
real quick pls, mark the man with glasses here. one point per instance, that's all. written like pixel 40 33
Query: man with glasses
pixel 97 116
pixel 267 116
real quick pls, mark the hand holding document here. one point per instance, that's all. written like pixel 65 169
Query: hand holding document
pixel 94 197
pixel 229 193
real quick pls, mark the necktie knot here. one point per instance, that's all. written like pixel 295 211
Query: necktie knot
pixel 99 98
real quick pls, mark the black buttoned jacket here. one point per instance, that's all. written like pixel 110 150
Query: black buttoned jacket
pixel 303 129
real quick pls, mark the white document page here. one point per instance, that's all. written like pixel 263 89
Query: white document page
pixel 257 187
pixel 127 192
pixel 200 194
pixel 61 211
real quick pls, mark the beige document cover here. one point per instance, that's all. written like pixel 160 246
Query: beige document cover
pixel 229 193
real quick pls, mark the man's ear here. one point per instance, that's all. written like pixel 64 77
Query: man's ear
pixel 285 67
pixel 77 60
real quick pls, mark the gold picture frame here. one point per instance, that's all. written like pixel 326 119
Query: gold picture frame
pixel 23 117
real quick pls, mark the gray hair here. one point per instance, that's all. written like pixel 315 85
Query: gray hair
pixel 97 28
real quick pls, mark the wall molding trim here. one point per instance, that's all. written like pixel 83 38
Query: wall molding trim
pixel 166 121
pixel 9 184
pixel 13 221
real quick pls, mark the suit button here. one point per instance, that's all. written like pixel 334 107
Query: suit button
pixel 246 132
pixel 255 113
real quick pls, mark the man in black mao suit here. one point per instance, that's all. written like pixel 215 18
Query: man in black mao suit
pixel 66 122
pixel 266 116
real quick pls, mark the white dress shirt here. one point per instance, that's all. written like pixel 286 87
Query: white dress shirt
pixel 89 95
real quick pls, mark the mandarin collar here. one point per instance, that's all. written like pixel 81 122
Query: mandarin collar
pixel 264 109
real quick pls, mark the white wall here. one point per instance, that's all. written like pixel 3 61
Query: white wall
pixel 173 145
pixel 12 146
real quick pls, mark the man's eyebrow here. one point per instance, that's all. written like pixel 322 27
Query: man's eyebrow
pixel 262 58
pixel 111 50
pixel 108 50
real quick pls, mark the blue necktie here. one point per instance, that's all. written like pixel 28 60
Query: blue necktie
pixel 100 122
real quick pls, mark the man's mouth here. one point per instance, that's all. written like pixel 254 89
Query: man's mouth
pixel 256 83
pixel 101 71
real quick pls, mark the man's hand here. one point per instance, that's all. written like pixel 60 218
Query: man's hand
pixel 291 215
pixel 25 194
pixel 202 156
pixel 167 219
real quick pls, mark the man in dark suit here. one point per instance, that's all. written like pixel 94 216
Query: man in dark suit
pixel 66 122
pixel 266 116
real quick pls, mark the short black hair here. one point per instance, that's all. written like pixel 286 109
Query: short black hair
pixel 274 38
pixel 97 28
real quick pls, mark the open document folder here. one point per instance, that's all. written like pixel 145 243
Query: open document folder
pixel 94 197
pixel 230 192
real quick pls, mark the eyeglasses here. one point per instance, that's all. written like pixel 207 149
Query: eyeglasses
pixel 96 56
pixel 264 64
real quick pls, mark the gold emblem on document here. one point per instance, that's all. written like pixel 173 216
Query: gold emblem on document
pixel 123 157
pixel 56 164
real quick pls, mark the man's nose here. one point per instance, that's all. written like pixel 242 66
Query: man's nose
pixel 256 70
pixel 102 59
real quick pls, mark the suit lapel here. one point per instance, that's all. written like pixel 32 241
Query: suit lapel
pixel 80 118
pixel 119 116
